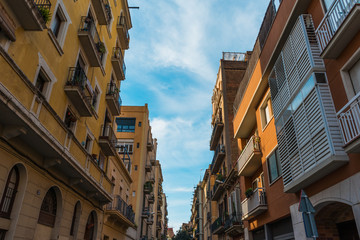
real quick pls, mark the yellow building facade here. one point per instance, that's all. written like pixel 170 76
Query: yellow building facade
pixel 134 133
pixel 61 63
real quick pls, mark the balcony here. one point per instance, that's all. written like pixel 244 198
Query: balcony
pixel 107 140
pixel 150 145
pixel 152 162
pixel 47 136
pixel 102 11
pixel 216 133
pixel 159 212
pixel 150 220
pixel 233 225
pixel 147 168
pixel 349 118
pixel 145 212
pixel 79 91
pixel 158 225
pixel 254 205
pixel 160 199
pixel 217 227
pixel 122 212
pixel 90 42
pixel 148 188
pixel 151 199
pixel 219 155
pixel 31 13
pixel 123 32
pixel 250 158
pixel 118 63
pixel 338 27
pixel 113 99
pixel 218 190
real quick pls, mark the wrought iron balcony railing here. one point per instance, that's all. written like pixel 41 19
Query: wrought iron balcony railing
pixel 122 207
pixel 87 25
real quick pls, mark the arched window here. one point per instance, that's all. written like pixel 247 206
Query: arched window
pixel 90 227
pixel 9 194
pixel 48 209
pixel 75 219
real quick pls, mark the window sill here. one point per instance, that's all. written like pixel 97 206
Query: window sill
pixel 276 179
pixel 55 42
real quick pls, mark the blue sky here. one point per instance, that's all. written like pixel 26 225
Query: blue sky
pixel 172 64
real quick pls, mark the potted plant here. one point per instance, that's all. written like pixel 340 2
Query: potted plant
pixel 101 47
pixel 219 177
pixel 45 13
pixel 249 192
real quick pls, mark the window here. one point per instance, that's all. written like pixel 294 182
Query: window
pixel 106 237
pixel 70 120
pixel 41 82
pixel 125 124
pixel 266 112
pixel 59 25
pixel 139 124
pixel 101 161
pixel 137 145
pixel 274 166
pixel 55 26
pixel 95 98
pixel 48 209
pixel 2 234
pixel 133 194
pixel 125 146
pixel 90 227
pixel 75 219
pixel 135 167
pixel 88 143
pixel 9 194
pixel 354 73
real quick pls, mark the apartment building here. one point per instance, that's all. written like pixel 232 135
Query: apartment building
pixel 135 142
pixel 296 121
pixel 196 218
pixel 61 65
pixel 226 190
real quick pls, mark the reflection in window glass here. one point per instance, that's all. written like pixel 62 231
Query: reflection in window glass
pixel 308 86
pixel 296 102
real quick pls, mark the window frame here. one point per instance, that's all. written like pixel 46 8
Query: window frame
pixel 12 198
pixel 275 152
pixel 48 218
pixel 121 129
pixel 345 75
pixel 64 24
pixel 263 116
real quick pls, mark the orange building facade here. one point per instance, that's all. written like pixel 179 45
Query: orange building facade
pixel 296 121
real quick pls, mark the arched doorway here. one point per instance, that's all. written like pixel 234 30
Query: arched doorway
pixel 335 221
pixel 90 229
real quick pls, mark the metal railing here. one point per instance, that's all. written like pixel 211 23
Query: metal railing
pixel 219 149
pixel 107 10
pixel 122 23
pixel 117 54
pixel 121 206
pixel 217 122
pixel 108 132
pixel 234 56
pixel 113 91
pixel 349 117
pixel 233 219
pixel 257 199
pixel 87 25
pixel 333 20
pixel 252 145
pixel 217 223
pixel 77 77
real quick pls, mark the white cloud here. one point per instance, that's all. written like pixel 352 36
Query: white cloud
pixel 186 38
